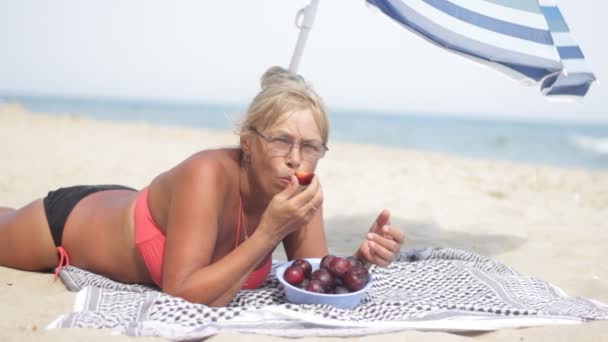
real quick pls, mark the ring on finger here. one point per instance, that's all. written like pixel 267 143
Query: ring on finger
pixel 312 206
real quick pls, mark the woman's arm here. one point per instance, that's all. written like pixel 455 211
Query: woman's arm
pixel 192 228
pixel 380 247
pixel 308 242
pixel 198 195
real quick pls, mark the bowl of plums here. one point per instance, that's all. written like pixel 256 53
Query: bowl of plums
pixel 338 281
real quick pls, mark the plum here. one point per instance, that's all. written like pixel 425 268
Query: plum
pixel 338 266
pixel 336 275
pixel 304 265
pixel 294 275
pixel 326 260
pixel 315 286
pixel 356 278
pixel 324 277
pixel 354 261
pixel 304 178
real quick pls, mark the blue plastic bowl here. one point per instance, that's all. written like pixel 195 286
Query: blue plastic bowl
pixel 299 296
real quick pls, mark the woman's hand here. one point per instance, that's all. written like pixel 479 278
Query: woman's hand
pixel 291 209
pixel 383 242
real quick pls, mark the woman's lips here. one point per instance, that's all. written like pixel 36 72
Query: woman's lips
pixel 286 179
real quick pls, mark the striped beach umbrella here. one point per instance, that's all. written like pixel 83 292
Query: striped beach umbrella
pixel 527 39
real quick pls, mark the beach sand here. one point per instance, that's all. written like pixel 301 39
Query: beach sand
pixel 545 222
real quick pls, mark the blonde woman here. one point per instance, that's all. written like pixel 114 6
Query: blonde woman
pixel 206 228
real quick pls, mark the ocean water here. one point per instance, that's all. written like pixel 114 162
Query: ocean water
pixel 581 146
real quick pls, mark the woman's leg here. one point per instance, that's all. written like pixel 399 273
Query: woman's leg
pixel 26 239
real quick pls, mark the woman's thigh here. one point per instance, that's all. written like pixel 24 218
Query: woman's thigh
pixel 26 239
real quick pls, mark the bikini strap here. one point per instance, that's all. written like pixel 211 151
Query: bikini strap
pixel 64 260
pixel 238 226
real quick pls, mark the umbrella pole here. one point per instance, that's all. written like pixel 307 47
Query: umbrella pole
pixel 304 20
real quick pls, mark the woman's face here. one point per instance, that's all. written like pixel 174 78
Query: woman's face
pixel 292 144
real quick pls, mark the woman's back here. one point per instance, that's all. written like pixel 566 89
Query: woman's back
pixel 100 231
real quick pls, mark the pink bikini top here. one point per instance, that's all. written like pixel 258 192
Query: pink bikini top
pixel 150 242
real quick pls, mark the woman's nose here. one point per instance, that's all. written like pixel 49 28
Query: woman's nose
pixel 294 157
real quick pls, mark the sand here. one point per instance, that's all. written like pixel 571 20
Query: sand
pixel 545 222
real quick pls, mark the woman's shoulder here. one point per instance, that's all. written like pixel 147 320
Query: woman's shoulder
pixel 216 166
pixel 222 160
pixel 204 176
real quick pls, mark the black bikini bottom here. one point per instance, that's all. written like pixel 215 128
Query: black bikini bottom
pixel 59 203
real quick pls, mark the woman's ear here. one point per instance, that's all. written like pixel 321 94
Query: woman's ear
pixel 245 145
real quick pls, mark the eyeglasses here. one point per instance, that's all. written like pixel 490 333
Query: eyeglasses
pixel 282 145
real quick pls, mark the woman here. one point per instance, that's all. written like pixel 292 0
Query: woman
pixel 206 228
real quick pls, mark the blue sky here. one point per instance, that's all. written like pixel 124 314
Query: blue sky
pixel 215 51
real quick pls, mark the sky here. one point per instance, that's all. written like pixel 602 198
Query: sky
pixel 216 51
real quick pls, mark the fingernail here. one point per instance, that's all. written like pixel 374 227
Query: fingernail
pixel 370 236
pixel 385 229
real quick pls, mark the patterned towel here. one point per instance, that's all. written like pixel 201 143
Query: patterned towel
pixel 426 289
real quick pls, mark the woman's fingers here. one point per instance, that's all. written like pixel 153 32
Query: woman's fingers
pixel 294 207
pixel 289 192
pixel 317 201
pixel 385 242
pixel 383 219
pixel 309 200
pixel 383 249
pixel 377 255
pixel 381 256
pixel 307 194
pixel 393 233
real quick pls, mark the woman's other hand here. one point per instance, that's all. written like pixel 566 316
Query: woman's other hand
pixel 383 242
pixel 291 209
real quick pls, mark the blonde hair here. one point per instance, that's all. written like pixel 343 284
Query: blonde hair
pixel 283 91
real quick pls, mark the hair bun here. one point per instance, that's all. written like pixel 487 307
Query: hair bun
pixel 277 74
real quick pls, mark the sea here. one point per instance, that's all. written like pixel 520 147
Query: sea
pixel 563 144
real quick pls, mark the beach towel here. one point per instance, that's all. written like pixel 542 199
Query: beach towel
pixel 437 289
